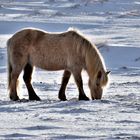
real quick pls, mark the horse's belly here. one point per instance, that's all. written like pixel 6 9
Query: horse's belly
pixel 50 65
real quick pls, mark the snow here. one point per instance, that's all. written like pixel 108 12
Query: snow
pixel 114 27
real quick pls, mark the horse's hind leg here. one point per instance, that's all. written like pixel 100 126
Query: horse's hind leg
pixel 79 82
pixel 13 85
pixel 27 79
pixel 64 83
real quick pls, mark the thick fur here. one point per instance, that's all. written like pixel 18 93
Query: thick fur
pixel 54 51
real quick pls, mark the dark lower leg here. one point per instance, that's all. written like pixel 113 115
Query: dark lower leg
pixel 64 83
pixel 31 92
pixel 79 82
pixel 27 79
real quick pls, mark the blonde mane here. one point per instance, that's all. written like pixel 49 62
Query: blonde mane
pixel 93 59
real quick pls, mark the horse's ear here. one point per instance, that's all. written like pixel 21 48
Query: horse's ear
pixel 108 72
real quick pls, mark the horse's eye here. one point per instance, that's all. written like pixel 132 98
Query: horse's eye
pixel 97 84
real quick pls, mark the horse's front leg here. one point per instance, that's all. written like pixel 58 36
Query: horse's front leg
pixel 79 82
pixel 65 80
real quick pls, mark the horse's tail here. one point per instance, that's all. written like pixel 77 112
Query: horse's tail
pixel 8 63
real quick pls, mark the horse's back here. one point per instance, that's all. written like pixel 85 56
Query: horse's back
pixel 26 36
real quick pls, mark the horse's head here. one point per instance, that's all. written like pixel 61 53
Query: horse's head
pixel 96 86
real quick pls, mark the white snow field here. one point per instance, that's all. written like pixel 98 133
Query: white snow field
pixel 114 26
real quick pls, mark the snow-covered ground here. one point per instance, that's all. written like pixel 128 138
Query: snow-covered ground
pixel 114 25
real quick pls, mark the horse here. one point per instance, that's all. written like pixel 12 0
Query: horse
pixel 69 51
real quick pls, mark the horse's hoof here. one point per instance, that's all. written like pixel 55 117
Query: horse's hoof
pixel 36 98
pixel 14 98
pixel 62 98
pixel 84 98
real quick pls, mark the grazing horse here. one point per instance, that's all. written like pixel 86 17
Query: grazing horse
pixel 68 51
